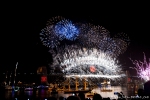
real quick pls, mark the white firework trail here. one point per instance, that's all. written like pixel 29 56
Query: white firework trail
pixel 77 62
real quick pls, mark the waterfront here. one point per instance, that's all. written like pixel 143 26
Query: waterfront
pixel 45 94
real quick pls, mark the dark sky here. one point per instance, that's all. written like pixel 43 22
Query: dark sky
pixel 22 23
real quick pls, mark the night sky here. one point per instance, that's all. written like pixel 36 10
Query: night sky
pixel 21 25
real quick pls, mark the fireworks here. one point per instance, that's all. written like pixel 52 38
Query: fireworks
pixel 92 54
pixel 85 35
pixel 123 37
pixel 58 29
pixel 54 20
pixel 91 35
pixel 48 37
pixel 142 68
pixel 113 46
pixel 122 42
pixel 65 29
pixel 90 62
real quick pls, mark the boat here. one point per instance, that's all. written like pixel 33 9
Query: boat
pixel 16 88
pixel 8 87
pixel 28 89
pixel 90 94
pixel 76 91
pixel 106 90
pixel 43 87
pixel 12 88
pixel 106 86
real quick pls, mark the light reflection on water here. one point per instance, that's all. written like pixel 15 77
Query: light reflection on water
pixel 43 94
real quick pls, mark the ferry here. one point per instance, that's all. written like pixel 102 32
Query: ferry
pixel 77 91
pixel 28 89
pixel 106 87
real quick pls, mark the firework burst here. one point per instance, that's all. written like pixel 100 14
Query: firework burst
pixel 91 35
pixel 92 55
pixel 113 46
pixel 58 29
pixel 142 68
pixel 74 61
pixel 123 41
pixel 123 37
pixel 54 20
pixel 65 29
pixel 48 38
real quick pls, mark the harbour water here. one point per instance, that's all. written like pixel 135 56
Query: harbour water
pixel 45 94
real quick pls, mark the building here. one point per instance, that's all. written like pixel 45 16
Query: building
pixel 42 75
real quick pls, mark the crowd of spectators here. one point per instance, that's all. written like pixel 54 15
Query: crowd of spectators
pixel 142 95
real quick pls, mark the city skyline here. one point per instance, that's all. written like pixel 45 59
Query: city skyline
pixel 22 28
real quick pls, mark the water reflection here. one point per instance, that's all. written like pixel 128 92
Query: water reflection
pixel 43 94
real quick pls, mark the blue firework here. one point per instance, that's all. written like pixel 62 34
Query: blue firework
pixel 48 37
pixel 65 29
